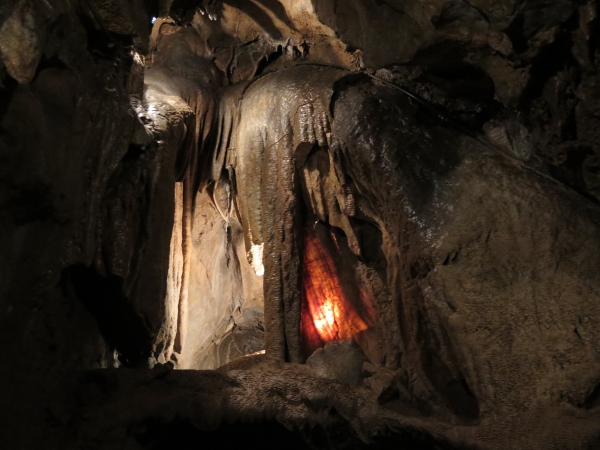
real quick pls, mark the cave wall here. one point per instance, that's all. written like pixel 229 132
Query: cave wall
pixel 86 198
pixel 403 180
pixel 225 309
pixel 124 213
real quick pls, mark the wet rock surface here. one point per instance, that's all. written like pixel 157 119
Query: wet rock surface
pixel 158 186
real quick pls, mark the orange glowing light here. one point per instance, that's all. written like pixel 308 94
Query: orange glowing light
pixel 327 313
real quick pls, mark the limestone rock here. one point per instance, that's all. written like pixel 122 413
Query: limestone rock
pixel 340 360
pixel 20 44
pixel 461 203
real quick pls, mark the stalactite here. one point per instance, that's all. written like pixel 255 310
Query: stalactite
pixel 269 130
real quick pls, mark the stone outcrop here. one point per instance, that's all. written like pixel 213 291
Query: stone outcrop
pixel 163 188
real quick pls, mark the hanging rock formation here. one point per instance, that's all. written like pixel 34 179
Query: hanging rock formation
pixel 409 188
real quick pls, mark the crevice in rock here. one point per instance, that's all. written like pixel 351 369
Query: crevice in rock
pixel 117 320
pixel 593 400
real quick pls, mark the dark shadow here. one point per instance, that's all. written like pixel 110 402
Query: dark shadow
pixel 278 9
pixel 182 435
pixel 183 11
pixel 6 9
pixel 444 68
pixel 534 16
pixel 117 321
pixel 454 393
pixel 258 15
pixel 7 88
pixel 550 60
pixel 371 241
pixel 593 400
pixel 269 59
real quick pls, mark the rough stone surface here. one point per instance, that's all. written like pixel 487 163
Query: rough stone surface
pixel 342 361
pixel 445 153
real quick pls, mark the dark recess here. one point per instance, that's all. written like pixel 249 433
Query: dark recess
pixel 182 435
pixel 270 435
pixel 122 328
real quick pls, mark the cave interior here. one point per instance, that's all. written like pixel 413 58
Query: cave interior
pixel 300 224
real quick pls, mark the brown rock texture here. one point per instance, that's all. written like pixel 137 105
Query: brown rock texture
pixel 187 191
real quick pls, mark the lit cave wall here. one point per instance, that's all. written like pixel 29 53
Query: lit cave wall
pixel 300 224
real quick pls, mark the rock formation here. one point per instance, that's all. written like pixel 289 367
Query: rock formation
pixel 359 224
